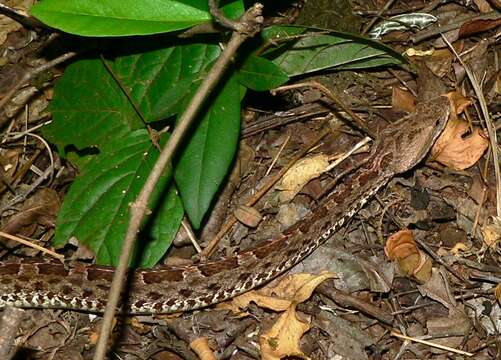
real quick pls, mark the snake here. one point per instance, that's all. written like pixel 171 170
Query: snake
pixel 398 148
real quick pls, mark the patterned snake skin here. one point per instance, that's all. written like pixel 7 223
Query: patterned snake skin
pixel 43 284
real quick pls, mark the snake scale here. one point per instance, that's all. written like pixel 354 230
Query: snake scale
pixel 44 284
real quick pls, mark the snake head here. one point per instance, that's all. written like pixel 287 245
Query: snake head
pixel 408 141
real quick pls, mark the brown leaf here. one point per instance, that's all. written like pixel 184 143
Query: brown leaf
pixel 458 102
pixel 402 248
pixel 477 26
pixel 248 215
pixel 440 62
pixel 40 209
pixel 456 151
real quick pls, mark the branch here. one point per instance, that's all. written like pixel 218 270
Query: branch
pixel 251 20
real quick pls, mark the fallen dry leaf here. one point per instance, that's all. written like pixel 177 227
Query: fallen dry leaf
pixel 492 232
pixel 261 300
pixel 201 347
pixel 477 26
pixel 453 149
pixel 458 102
pixel 283 338
pixel 402 248
pixel 439 62
pixel 300 174
pixel 497 292
pixel 278 296
pixel 438 289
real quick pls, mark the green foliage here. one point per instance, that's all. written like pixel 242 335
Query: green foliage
pixel 210 150
pixel 102 108
pixel 161 81
pixel 317 51
pixel 261 74
pixel 89 108
pixel 118 17
pixel 95 210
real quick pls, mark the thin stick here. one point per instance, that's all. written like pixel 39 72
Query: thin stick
pixel 191 236
pixel 32 73
pixel 252 17
pixel 432 344
pixel 278 155
pixel 347 154
pixel 60 257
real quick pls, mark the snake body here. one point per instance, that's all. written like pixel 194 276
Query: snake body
pixel 43 284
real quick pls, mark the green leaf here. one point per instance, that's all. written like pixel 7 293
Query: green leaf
pixel 209 153
pixel 318 51
pixel 160 82
pixel 261 74
pixel 88 108
pixel 165 223
pixel 118 17
pixel 96 209
pixel 277 33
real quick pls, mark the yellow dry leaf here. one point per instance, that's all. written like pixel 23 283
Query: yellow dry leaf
pixel 300 174
pixel 283 338
pixel 290 285
pixel 307 284
pixel 279 296
pixel 497 292
pixel 492 232
pixel 261 299
pixel 201 347
pixel 459 247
